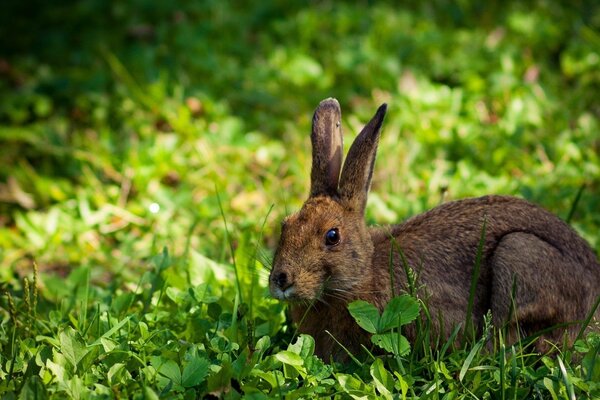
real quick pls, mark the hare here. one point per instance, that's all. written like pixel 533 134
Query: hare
pixel 535 271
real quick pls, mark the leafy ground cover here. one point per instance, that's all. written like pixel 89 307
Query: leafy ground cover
pixel 148 151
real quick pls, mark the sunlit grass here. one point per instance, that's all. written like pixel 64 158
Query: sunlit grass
pixel 147 160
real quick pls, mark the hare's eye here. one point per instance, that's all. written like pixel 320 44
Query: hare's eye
pixel 332 237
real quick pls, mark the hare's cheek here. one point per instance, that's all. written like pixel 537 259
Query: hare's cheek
pixel 309 284
pixel 328 271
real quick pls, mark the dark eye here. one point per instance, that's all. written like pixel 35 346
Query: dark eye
pixel 332 237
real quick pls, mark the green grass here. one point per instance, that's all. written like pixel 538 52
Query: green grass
pixel 148 152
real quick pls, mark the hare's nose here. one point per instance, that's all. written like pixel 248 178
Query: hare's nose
pixel 281 280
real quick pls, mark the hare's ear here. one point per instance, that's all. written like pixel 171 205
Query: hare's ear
pixel 358 168
pixel 327 148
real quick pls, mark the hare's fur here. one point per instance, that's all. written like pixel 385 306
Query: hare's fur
pixel 527 251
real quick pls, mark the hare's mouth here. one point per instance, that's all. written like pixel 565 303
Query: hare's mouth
pixel 297 293
pixel 287 294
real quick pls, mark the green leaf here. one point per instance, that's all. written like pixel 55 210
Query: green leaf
pixel 176 295
pixel 591 363
pixel 365 314
pixel 401 384
pixel 355 387
pixel 76 387
pixel 399 311
pixel 57 369
pixel 384 381
pixel 33 389
pixel 392 342
pixel 195 372
pixel 214 310
pixel 72 346
pixel 167 368
pixel 144 333
pixel 552 387
pixel 220 382
pixel 289 357
pixel 263 344
pixel 150 394
pixel 115 373
pixel 202 294
pixel 107 344
pixel 273 378
pixel 304 346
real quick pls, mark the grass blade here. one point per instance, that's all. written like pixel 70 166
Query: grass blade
pixel 589 317
pixel 231 247
pixel 575 203
pixel 465 367
pixel 570 395
pixel 469 329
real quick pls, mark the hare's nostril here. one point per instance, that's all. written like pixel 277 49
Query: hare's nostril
pixel 281 280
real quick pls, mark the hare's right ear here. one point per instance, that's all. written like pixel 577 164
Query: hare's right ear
pixel 327 149
pixel 358 168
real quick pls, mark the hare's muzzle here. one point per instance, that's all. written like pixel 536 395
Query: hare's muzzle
pixel 282 285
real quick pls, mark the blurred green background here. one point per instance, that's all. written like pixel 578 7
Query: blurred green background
pixel 126 127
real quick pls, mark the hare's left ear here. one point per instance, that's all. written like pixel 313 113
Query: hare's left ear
pixel 358 168
pixel 327 148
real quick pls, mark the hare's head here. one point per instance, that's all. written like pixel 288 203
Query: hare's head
pixel 325 248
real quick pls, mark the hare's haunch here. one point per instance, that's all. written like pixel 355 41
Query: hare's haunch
pixel 328 257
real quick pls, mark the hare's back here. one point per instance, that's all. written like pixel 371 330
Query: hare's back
pixel 447 238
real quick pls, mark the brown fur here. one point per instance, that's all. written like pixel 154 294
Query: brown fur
pixel 556 273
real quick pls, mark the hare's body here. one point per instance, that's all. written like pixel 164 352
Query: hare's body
pixel 328 257
pixel 524 245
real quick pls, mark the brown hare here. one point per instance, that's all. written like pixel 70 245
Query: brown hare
pixel 327 256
